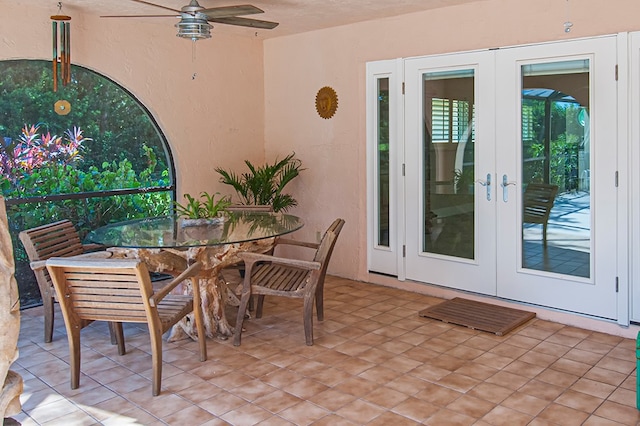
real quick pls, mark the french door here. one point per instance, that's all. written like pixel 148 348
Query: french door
pixel 510 182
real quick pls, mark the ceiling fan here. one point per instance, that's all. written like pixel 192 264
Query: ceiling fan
pixel 194 19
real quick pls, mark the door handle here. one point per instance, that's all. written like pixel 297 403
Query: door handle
pixel 505 191
pixel 486 184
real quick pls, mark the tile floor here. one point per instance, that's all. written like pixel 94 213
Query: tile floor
pixel 374 362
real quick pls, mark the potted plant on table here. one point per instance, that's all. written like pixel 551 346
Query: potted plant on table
pixel 264 185
pixel 203 211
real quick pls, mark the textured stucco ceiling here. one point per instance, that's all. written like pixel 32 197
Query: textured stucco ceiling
pixel 294 16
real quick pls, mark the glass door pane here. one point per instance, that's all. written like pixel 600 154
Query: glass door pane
pixel 383 162
pixel 448 175
pixel 556 213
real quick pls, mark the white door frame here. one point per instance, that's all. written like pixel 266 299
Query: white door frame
pixel 628 176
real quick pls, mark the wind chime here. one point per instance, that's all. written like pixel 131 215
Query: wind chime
pixel 62 38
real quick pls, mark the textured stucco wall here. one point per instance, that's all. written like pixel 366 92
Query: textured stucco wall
pixel 334 151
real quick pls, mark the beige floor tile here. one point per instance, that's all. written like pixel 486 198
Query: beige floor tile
pixel 579 401
pixel 246 415
pixel 359 411
pixel 389 418
pixel 524 403
pixel 385 397
pixel 560 414
pixel 505 416
pixel 557 378
pixel 594 388
pixel 193 415
pixel 458 382
pixel 277 401
pixel 541 390
pixel 374 362
pixel 606 376
pixel 507 380
pixel 415 409
pixel 471 406
pixel 619 413
pixel 304 413
pixel 447 417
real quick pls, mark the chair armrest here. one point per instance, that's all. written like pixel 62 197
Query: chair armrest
pixel 251 258
pixel 37 265
pixel 90 247
pixel 94 255
pixel 190 272
pixel 291 242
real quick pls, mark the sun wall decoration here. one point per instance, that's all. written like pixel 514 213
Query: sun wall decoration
pixel 326 102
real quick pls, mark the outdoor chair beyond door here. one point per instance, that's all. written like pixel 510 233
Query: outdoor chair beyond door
pixel 59 239
pixel 120 290
pixel 267 275
pixel 537 203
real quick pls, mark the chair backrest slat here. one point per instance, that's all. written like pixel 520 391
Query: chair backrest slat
pixel 328 242
pixel 121 288
pixel 59 239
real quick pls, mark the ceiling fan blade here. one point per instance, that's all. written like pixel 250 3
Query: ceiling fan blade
pixel 157 5
pixel 140 16
pixel 226 11
pixel 245 22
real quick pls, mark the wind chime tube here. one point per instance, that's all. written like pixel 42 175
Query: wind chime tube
pixel 54 26
pixel 68 55
pixel 63 53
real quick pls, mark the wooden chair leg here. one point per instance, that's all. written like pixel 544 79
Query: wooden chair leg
pixel 197 313
pixel 308 320
pixel 241 272
pixel 244 301
pixel 117 336
pixel 259 306
pixel 156 360
pixel 320 301
pixel 47 304
pixel 74 354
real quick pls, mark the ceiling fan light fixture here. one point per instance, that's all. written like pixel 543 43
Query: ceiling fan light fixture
pixel 194 28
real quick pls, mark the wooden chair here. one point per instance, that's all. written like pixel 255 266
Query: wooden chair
pixel 278 276
pixel 120 290
pixel 232 275
pixel 537 203
pixel 59 239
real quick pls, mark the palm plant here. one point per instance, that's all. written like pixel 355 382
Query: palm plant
pixel 264 185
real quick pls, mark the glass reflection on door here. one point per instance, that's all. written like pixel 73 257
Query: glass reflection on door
pixel 448 163
pixel 382 155
pixel 556 167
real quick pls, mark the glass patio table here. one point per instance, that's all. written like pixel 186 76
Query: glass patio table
pixel 168 245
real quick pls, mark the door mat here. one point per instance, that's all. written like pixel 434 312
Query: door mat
pixel 478 315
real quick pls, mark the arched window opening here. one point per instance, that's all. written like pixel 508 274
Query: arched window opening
pixel 89 152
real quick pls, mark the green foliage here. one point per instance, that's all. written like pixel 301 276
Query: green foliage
pixel 115 120
pixel 264 185
pixel 125 150
pixel 463 179
pixel 42 166
pixel 564 147
pixel 205 207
